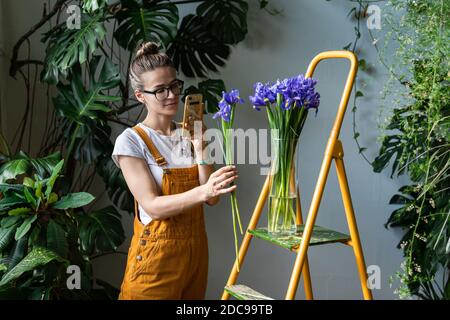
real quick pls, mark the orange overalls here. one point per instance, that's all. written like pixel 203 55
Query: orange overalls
pixel 168 259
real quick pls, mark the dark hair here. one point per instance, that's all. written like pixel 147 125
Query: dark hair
pixel 147 58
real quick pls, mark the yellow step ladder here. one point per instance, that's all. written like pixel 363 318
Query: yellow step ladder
pixel 309 234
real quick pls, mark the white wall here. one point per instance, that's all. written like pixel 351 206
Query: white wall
pixel 277 47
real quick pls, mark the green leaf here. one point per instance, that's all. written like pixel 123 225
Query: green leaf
pixel 359 94
pixel 211 90
pixel 4 187
pixel 399 199
pixel 53 177
pixel 101 231
pixel 56 238
pixel 6 235
pixel 74 200
pixel 44 166
pixel 11 200
pixel 82 121
pixel 27 181
pixel 227 20
pixel 356 135
pixel 38 191
pixel 24 227
pixel 37 257
pixel 18 251
pixel 52 198
pixel 195 50
pixel 19 211
pixel 142 21
pixel 94 5
pixel 69 46
pixel 31 200
pixel 115 184
pixel 7 222
pixel 12 169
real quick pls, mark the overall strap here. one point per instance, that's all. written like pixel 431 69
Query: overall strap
pixel 160 161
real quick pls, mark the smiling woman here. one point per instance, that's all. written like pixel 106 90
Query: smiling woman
pixel 168 255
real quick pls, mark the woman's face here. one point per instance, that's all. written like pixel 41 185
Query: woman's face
pixel 154 80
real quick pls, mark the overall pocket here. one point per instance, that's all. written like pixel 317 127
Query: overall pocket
pixel 144 256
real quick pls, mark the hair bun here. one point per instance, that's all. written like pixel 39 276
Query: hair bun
pixel 148 48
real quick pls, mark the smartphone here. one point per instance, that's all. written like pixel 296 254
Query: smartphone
pixel 193 107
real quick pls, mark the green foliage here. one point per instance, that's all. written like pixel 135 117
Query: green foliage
pixel 42 231
pixel 194 51
pixel 70 46
pixel 145 21
pixel 417 141
pixel 212 92
pixel 227 19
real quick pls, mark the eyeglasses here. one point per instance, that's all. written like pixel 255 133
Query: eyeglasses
pixel 162 93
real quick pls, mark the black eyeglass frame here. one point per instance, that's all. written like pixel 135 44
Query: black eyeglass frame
pixel 179 82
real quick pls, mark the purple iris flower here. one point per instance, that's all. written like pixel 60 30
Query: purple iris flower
pixel 232 97
pixel 264 93
pixel 226 104
pixel 297 92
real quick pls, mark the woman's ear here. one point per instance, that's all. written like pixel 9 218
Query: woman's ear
pixel 139 95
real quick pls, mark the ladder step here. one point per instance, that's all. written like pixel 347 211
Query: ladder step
pixel 242 292
pixel 292 242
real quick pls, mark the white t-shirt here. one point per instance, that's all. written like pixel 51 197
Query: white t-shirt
pixel 175 149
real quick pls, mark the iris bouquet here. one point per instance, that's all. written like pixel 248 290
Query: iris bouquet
pixel 226 112
pixel 287 103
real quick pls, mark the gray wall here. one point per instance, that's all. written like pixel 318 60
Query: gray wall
pixel 277 47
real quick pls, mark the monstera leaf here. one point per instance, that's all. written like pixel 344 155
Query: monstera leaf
pixel 115 184
pixel 101 231
pixel 141 21
pixel 92 139
pixel 82 110
pixel 78 104
pixel 211 90
pixel 195 49
pixel 68 46
pixel 226 18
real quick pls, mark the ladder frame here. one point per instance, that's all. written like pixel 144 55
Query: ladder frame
pixel 333 151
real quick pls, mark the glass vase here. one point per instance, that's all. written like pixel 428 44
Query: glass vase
pixel 282 187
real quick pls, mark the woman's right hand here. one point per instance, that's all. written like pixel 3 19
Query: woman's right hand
pixel 218 182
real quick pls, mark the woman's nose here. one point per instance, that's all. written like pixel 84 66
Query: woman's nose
pixel 171 94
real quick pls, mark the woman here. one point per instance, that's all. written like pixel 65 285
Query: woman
pixel 168 255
